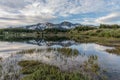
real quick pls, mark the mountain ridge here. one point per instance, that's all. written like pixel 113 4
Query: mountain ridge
pixel 48 25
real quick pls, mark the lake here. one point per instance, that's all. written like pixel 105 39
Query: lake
pixel 107 62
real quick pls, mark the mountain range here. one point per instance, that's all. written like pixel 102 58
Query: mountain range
pixel 42 26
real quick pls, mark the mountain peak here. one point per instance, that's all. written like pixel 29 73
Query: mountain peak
pixel 65 23
pixel 42 26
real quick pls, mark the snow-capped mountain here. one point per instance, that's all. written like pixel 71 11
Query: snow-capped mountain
pixel 67 25
pixel 42 26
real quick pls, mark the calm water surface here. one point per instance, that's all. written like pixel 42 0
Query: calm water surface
pixel 107 61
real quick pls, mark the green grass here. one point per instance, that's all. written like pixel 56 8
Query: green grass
pixel 89 70
pixel 63 51
pixel 39 71
pixel 93 69
pixel 114 51
pixel 115 33
pixel 68 51
pixel 105 37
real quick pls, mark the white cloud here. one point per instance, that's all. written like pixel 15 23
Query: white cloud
pixel 20 12
pixel 113 18
pixel 89 21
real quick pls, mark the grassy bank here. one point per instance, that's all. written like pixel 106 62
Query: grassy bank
pixel 108 35
pixel 103 36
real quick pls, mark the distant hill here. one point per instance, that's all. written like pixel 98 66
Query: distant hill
pixel 42 26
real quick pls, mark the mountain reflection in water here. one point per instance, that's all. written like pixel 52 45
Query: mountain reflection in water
pixel 109 62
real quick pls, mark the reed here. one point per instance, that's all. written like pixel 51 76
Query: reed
pixel 63 51
pixel 41 71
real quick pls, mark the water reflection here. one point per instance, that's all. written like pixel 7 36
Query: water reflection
pixel 109 62
pixel 10 69
pixel 42 42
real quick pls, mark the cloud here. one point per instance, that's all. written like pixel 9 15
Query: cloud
pixel 23 12
pixel 85 21
pixel 89 21
pixel 113 18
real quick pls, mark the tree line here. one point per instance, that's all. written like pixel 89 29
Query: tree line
pixel 56 30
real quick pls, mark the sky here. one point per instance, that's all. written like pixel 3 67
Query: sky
pixel 27 12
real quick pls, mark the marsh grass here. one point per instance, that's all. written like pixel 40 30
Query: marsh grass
pixel 9 69
pixel 100 33
pixel 41 71
pixel 1 58
pixel 35 70
pixel 63 51
pixel 92 68
pixel 114 51
pixel 68 51
pixel 0 66
pixel 29 51
pixel 110 42
pixel 91 65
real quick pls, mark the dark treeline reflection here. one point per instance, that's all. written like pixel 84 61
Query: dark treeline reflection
pixel 37 38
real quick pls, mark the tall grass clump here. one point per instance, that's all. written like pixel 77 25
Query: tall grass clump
pixel 68 51
pixel 92 68
pixel 64 51
pixel 114 51
pixel 38 71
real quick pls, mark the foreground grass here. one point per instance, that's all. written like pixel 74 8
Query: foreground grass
pixel 39 71
pixel 88 70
